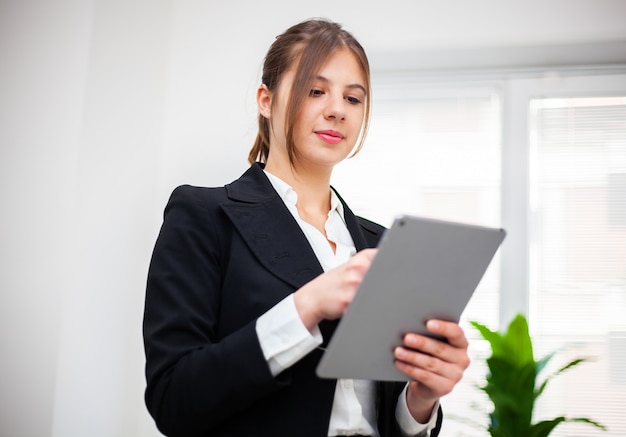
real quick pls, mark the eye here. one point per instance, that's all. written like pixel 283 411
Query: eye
pixel 315 92
pixel 353 100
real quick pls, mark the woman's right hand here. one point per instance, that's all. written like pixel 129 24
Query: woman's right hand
pixel 328 295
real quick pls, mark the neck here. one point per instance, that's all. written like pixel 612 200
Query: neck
pixel 312 185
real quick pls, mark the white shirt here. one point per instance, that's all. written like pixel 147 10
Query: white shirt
pixel 285 340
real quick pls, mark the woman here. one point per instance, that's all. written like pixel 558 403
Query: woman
pixel 247 281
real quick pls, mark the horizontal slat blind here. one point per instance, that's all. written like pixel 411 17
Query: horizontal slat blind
pixel 578 257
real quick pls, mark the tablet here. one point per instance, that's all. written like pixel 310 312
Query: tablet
pixel 424 269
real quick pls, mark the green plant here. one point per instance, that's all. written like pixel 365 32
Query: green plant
pixel 512 385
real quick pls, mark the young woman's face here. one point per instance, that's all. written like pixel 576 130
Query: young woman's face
pixel 332 115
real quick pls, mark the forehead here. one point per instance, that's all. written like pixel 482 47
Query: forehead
pixel 342 65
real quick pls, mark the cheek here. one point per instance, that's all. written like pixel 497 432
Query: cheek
pixel 308 120
pixel 358 120
pixel 358 113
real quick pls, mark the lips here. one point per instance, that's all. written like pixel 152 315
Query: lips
pixel 330 136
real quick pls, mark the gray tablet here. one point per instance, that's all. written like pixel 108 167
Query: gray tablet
pixel 424 269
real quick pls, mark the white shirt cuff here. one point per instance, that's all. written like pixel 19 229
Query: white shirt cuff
pixel 284 338
pixel 410 426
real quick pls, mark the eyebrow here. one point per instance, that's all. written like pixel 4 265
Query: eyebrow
pixel 350 86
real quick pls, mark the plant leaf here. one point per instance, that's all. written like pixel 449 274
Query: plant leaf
pixel 541 364
pixel 589 421
pixel 494 338
pixel 572 363
pixel 542 429
pixel 511 390
pixel 518 341
pixel 569 365
pixel 541 388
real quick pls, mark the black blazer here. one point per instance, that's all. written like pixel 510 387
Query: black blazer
pixel 224 256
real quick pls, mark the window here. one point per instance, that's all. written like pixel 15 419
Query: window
pixel 578 252
pixel 543 156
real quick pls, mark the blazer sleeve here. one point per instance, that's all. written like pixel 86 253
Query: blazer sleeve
pixel 387 398
pixel 194 378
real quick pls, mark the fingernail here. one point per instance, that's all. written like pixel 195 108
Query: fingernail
pixel 433 324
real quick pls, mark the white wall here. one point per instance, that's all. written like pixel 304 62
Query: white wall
pixel 105 106
pixel 44 51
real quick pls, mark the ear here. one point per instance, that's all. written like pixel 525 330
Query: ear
pixel 264 101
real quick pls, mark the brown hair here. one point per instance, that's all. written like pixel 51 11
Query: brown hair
pixel 309 44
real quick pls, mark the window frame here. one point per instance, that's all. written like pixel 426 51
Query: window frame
pixel 516 214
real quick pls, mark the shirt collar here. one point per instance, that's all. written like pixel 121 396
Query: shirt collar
pixel 290 197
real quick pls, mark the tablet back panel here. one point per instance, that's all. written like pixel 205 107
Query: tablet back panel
pixel 425 269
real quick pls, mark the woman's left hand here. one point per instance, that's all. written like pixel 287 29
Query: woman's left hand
pixel 434 366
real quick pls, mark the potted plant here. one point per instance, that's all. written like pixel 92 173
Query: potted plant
pixel 512 383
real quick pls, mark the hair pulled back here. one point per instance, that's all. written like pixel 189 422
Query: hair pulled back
pixel 305 46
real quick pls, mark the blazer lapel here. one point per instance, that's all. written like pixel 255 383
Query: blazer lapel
pixel 356 231
pixel 363 238
pixel 269 229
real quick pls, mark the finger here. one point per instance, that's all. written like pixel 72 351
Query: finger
pixel 429 363
pixel 439 385
pixel 367 253
pixel 437 349
pixel 361 261
pixel 450 330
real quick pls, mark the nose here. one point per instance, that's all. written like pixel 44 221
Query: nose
pixel 334 109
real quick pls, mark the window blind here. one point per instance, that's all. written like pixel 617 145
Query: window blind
pixel 578 256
